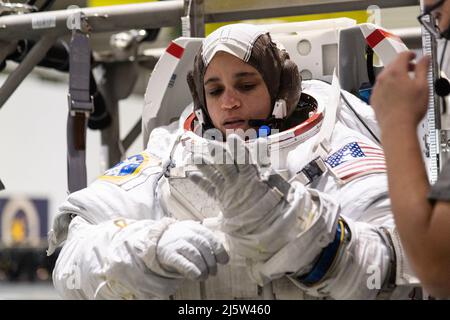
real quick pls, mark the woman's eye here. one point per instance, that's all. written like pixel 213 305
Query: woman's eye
pixel 247 86
pixel 215 92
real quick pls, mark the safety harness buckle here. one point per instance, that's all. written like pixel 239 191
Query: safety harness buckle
pixel 78 106
pixel 311 171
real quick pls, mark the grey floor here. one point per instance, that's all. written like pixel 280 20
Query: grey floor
pixel 27 291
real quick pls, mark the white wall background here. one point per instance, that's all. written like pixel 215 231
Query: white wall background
pixel 33 140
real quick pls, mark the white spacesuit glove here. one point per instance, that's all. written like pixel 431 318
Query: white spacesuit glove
pixel 191 250
pixel 252 204
pixel 280 227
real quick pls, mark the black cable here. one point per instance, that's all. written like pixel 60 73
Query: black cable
pixel 444 106
pixel 359 118
pixel 443 54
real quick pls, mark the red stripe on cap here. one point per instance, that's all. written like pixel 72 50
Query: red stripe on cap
pixel 379 35
pixel 175 50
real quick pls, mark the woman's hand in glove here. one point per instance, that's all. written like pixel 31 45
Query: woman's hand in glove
pixel 253 205
pixel 190 249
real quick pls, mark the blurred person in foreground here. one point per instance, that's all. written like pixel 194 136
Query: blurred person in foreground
pixel 421 211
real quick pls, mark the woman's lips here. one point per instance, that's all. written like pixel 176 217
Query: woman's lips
pixel 234 124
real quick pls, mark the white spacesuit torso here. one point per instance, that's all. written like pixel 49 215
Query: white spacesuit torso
pixel 149 186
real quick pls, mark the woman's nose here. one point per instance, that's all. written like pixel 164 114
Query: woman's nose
pixel 230 100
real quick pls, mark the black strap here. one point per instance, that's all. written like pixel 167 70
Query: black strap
pixel 80 106
pixel 369 65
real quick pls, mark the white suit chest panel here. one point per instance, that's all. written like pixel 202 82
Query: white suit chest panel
pixel 184 200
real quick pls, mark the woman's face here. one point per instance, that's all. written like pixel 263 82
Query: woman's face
pixel 235 93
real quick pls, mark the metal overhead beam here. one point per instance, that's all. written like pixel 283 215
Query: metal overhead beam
pixel 100 19
pixel 168 13
pixel 221 11
pixel 24 68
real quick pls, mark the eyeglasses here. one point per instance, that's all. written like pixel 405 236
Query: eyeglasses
pixel 429 22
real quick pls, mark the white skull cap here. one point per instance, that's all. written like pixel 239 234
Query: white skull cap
pixel 252 45
pixel 237 39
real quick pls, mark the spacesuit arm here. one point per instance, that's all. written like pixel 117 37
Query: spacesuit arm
pixel 342 257
pixel 357 264
pixel 115 259
pixel 121 244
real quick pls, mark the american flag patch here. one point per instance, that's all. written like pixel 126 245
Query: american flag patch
pixel 356 159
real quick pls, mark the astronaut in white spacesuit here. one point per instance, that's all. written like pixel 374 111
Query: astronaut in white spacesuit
pixel 311 219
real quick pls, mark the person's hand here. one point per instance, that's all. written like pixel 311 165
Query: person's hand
pixel 252 205
pixel 190 249
pixel 398 99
